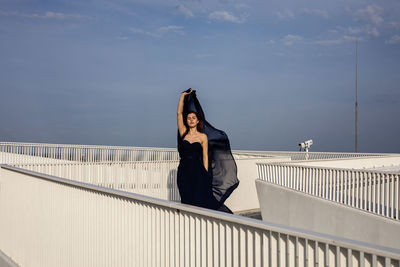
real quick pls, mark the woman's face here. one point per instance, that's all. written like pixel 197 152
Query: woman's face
pixel 192 120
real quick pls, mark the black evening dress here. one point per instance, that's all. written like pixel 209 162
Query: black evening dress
pixel 222 169
pixel 194 182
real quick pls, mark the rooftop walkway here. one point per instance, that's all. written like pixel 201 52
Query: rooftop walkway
pixel 75 205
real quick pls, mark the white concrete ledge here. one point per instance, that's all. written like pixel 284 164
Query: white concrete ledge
pixel 361 163
pixel 6 261
pixel 289 207
pixel 245 196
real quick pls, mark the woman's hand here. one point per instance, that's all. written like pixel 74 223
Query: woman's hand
pixel 187 93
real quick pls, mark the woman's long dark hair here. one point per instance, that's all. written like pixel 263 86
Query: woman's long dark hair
pixel 199 126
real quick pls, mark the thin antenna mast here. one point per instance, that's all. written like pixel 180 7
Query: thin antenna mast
pixel 356 103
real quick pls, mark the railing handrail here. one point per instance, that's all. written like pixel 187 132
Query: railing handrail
pixel 257 224
pixel 287 164
pixel 315 152
pixel 88 146
pixel 74 163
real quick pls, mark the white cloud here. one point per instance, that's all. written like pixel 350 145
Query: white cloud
pixel 363 31
pixel 289 14
pixel 225 16
pixel 323 54
pixel 200 56
pixel 329 42
pixel 317 12
pixel 280 54
pixel 394 40
pixel 370 14
pixel 286 14
pixel 290 39
pixel 54 15
pixel 45 15
pixel 160 31
pixel 355 31
pixel 351 38
pixel 171 28
pixel 240 6
pixel 395 24
pixel 209 37
pixel 137 30
pixel 372 32
pixel 181 9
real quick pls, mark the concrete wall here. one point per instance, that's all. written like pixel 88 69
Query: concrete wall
pixel 245 196
pixel 295 209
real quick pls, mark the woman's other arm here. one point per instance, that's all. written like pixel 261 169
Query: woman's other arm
pixel 204 144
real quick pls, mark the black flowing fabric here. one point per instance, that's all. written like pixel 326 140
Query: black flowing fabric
pixel 222 166
pixel 194 182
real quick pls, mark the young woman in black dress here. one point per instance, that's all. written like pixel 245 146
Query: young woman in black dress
pixel 194 180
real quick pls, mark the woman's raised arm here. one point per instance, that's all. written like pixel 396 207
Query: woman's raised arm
pixel 181 124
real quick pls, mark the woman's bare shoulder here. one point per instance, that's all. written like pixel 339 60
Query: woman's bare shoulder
pixel 203 136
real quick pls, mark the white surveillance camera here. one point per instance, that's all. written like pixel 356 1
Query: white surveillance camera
pixel 306 145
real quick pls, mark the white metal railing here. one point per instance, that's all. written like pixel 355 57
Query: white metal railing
pixel 49 221
pixel 10 152
pixel 372 191
pixel 17 153
pixel 26 153
pixel 297 155
pixel 150 178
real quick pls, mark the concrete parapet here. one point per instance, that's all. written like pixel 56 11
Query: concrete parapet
pixel 292 208
pixel 245 196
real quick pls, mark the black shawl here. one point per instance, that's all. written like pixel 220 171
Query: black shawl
pixel 221 164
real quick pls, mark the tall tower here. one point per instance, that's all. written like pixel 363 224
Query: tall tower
pixel 356 102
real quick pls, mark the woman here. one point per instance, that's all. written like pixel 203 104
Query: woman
pixel 194 181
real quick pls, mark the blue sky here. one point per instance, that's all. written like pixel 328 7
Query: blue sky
pixel 269 73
